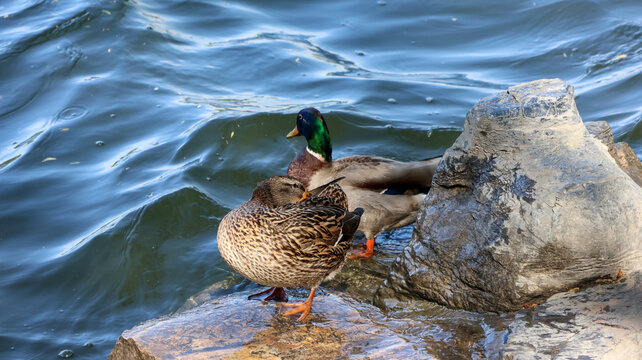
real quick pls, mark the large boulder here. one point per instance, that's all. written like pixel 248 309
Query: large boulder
pixel 525 204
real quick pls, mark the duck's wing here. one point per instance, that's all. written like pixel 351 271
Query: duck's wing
pixel 380 173
pixel 315 228
pixel 330 194
pixel 324 188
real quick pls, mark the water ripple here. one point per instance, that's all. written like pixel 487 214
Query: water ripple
pixel 72 112
pixel 53 30
pixel 169 207
pixel 352 69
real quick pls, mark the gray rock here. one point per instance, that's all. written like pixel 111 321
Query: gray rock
pixel 622 153
pixel 233 327
pixel 525 204
pixel 601 322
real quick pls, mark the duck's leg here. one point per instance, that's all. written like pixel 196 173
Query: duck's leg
pixel 303 307
pixel 366 253
pixel 278 294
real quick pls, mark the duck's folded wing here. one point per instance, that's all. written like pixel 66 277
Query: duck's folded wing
pixel 310 227
pixel 381 173
pixel 327 195
pixel 329 187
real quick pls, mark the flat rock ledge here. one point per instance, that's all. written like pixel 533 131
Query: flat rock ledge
pixel 601 322
pixel 232 327
pixel 525 204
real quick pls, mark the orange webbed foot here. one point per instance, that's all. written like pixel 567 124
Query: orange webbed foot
pixel 301 307
pixel 367 253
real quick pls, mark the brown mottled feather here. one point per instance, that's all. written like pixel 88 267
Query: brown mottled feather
pixel 297 244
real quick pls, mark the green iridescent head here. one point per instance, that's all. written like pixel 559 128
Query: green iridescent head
pixel 311 124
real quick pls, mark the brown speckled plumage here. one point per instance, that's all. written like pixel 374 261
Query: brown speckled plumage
pixel 275 242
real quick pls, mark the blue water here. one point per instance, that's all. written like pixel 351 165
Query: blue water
pixel 128 129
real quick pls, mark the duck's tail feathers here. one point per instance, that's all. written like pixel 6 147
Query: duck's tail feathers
pixel 407 190
pixel 350 224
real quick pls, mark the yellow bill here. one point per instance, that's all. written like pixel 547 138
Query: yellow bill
pixel 293 133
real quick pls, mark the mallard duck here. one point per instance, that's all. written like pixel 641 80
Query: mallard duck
pixel 281 238
pixel 389 191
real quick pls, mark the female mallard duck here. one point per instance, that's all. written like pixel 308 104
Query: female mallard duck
pixel 389 191
pixel 281 238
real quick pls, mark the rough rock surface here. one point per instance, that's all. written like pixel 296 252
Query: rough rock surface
pixel 525 204
pixel 622 153
pixel 231 327
pixel 601 322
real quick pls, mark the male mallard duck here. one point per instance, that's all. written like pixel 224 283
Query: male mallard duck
pixel 389 191
pixel 280 238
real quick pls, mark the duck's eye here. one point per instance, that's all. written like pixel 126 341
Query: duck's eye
pixel 299 117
